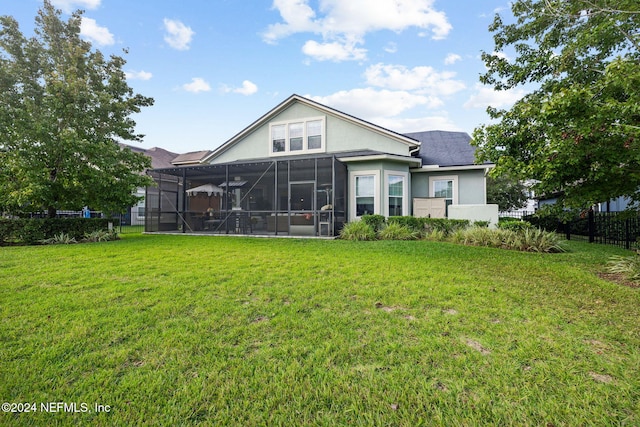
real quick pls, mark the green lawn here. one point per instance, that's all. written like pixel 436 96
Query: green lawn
pixel 180 330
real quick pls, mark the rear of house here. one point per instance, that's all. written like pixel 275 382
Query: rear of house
pixel 304 169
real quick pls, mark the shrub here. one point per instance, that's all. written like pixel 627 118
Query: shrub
pixel 629 266
pixel 357 230
pixel 397 231
pixel 411 222
pixel 528 239
pixel 484 224
pixel 376 222
pixel 60 239
pixel 33 231
pixel 516 225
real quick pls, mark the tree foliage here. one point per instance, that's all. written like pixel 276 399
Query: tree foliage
pixel 578 131
pixel 507 192
pixel 64 108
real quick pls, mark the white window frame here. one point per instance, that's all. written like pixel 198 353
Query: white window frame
pixel 305 150
pixel 453 178
pixel 352 192
pixel 405 191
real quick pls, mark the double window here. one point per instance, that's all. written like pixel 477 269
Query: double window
pixel 300 136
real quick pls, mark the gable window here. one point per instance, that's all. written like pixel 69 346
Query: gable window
pixel 296 136
pixel 314 134
pixel 396 193
pixel 300 136
pixel 278 138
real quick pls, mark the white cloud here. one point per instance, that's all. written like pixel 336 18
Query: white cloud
pixel 391 47
pixel 333 51
pixel 138 75
pixel 422 79
pixel 247 88
pixel 419 124
pixel 178 35
pixel 372 105
pixel 452 58
pixel 95 33
pixel 346 23
pixel 71 5
pixel 485 96
pixel 197 85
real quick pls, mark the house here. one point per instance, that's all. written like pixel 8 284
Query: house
pixel 306 169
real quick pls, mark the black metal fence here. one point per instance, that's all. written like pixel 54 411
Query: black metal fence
pixel 611 228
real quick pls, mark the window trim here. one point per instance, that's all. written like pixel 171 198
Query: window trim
pixel 453 178
pixel 305 141
pixel 405 191
pixel 352 192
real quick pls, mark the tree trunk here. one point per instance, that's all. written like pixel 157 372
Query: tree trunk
pixel 51 212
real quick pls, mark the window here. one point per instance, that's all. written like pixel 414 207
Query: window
pixel 278 138
pixel 295 136
pixel 445 187
pixel 365 195
pixel 314 134
pixel 395 192
pixel 364 189
pixel 301 136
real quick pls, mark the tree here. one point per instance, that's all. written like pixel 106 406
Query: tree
pixel 64 108
pixel 578 131
pixel 507 192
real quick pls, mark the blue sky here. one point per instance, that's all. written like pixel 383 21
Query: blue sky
pixel 215 66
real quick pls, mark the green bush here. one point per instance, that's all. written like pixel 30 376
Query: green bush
pixel 397 231
pixel 357 230
pixel 411 222
pixel 526 240
pixel 34 231
pixel 376 222
pixel 514 225
pixel 100 236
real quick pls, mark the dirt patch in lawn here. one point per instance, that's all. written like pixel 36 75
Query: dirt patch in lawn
pixel 618 278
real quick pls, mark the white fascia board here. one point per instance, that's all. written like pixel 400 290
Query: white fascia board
pixel 436 168
pixel 374 157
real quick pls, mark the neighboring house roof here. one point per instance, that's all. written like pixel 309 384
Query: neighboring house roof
pixel 410 142
pixel 445 148
pixel 160 158
pixel 191 158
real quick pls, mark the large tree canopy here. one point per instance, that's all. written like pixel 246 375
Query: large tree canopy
pixel 64 108
pixel 578 131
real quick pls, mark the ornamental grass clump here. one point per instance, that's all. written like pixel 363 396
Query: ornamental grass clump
pixel 357 230
pixel 628 266
pixel 397 231
pixel 60 239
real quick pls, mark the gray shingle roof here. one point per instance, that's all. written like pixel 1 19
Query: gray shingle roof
pixel 445 148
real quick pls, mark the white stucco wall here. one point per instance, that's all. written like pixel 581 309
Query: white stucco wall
pixel 475 213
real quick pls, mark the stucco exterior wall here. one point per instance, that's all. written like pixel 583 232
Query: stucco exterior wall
pixel 340 135
pixel 471 185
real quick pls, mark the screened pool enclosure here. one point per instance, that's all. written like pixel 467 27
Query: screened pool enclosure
pixel 290 197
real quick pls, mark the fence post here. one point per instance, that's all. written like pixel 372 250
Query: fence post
pixel 592 226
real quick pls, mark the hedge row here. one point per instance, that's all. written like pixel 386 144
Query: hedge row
pixel 27 231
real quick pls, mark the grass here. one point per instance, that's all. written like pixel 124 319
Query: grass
pixel 180 330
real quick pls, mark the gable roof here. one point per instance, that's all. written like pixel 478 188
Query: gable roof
pixel 327 110
pixel 445 148
pixel 193 157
